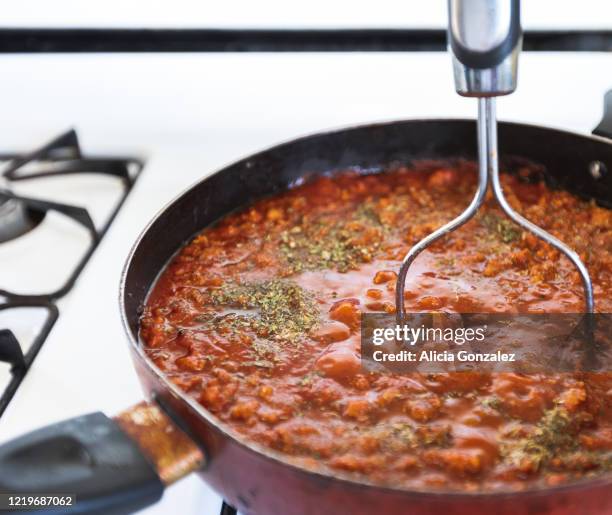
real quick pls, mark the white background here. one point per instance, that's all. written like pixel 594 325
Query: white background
pixel 283 13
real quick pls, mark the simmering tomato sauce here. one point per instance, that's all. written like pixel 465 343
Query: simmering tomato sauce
pixel 258 319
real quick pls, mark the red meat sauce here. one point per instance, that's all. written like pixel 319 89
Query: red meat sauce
pixel 258 319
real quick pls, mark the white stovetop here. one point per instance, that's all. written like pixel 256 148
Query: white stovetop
pixel 191 114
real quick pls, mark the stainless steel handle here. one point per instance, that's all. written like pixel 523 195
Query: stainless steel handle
pixel 485 38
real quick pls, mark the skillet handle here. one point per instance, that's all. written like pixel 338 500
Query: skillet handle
pixel 113 466
pixel 605 125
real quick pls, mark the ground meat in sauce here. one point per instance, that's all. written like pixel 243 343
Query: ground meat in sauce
pixel 258 319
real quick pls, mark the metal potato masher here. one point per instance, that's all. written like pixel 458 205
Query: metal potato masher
pixel 485 39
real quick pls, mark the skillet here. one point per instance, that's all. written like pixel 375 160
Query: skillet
pixel 121 465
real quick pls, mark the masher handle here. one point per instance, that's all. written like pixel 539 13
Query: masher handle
pixel 485 38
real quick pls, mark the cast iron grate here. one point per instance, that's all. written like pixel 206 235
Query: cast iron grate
pixel 226 509
pixel 11 351
pixel 63 156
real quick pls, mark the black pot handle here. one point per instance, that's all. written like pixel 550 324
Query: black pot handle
pixel 111 466
pixel 605 125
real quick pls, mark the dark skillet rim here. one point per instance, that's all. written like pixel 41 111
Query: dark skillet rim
pixel 279 458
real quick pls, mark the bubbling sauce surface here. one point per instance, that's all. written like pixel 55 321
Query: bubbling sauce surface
pixel 258 319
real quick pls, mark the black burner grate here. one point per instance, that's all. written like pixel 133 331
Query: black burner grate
pixel 226 509
pixel 63 156
pixel 11 351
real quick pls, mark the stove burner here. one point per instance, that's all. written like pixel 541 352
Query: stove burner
pixel 12 353
pixel 16 219
pixel 20 214
pixel 61 156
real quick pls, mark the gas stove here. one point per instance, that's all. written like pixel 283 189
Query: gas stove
pixel 210 110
